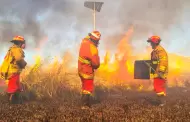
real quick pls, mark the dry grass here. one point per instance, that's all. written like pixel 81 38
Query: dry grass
pixel 48 81
pixel 56 95
pixel 54 80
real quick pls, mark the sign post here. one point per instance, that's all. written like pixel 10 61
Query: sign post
pixel 95 6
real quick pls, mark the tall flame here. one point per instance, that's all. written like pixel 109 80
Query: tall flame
pixel 121 69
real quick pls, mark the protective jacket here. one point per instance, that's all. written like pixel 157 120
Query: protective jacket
pixel 13 62
pixel 88 59
pixel 159 59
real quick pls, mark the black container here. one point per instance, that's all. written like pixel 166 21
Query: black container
pixel 141 69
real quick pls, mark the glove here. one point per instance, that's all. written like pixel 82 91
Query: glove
pixel 161 75
pixel 3 76
pixel 22 63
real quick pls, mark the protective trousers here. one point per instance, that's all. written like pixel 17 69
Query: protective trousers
pixel 87 89
pixel 14 89
pixel 160 89
pixel 160 86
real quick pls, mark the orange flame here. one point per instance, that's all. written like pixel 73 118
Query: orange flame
pixel 122 68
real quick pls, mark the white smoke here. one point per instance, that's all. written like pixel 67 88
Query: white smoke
pixel 61 24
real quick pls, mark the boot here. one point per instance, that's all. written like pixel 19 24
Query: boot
pixel 161 100
pixel 10 97
pixel 85 101
pixel 15 98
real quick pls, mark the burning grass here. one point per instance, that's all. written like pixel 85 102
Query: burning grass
pixel 53 80
pixel 53 94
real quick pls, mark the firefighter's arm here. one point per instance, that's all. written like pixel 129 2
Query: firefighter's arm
pixel 18 55
pixel 163 61
pixel 95 60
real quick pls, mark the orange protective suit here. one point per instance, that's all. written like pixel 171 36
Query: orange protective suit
pixel 88 61
pixel 160 64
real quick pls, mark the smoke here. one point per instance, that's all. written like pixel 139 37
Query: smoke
pixel 148 18
pixel 63 23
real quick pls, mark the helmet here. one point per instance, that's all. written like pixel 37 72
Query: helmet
pixel 95 35
pixel 18 39
pixel 154 39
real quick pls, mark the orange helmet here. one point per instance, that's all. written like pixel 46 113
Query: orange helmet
pixel 154 39
pixel 95 35
pixel 18 39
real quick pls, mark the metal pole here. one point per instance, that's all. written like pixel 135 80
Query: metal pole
pixel 94 14
pixel 153 69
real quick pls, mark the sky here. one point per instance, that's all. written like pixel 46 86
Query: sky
pixel 53 27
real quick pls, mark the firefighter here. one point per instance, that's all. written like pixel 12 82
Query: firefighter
pixel 11 68
pixel 159 59
pixel 88 62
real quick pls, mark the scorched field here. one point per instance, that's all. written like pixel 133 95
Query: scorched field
pixel 117 103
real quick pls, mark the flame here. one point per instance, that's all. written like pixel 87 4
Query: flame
pixel 121 68
pixel 118 68
pixel 37 64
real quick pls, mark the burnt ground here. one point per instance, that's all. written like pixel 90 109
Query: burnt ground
pixel 116 107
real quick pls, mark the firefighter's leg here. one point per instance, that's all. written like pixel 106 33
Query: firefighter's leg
pixel 161 98
pixel 10 94
pixel 159 86
pixel 14 89
pixel 18 98
pixel 86 101
pixel 14 98
pixel 87 87
pixel 10 97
